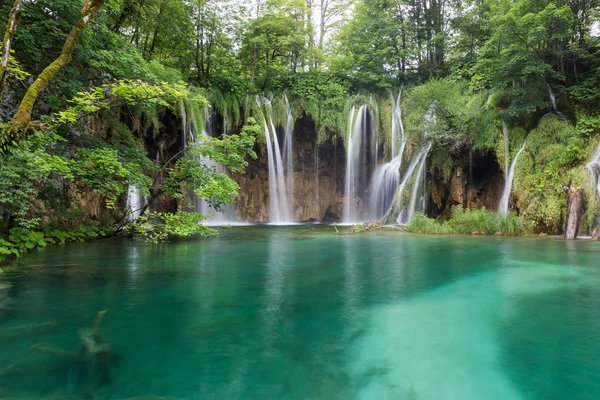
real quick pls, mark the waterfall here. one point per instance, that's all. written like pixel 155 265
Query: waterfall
pixel 386 177
pixel 279 205
pixel 397 126
pixel 227 213
pixel 419 185
pixel 288 151
pixel 406 213
pixel 355 164
pixel 593 168
pixel 503 205
pixel 553 101
pixel 135 203
pixel 506 149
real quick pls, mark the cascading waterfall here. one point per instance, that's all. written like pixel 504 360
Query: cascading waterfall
pixel 135 203
pixel 386 178
pixel 397 125
pixel 279 204
pixel 503 205
pixel 288 154
pixel 506 149
pixel 355 160
pixel 553 101
pixel 407 213
pixel 593 168
pixel 418 188
pixel 227 213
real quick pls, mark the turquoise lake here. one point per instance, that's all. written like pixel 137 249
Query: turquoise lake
pixel 301 313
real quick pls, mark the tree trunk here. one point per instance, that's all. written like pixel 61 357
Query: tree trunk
pixel 14 17
pixel 596 231
pixel 574 211
pixel 21 120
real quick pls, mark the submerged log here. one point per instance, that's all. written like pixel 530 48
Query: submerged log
pixel 575 207
pixel 367 227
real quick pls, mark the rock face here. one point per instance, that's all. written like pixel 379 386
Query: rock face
pixel 475 182
pixel 318 179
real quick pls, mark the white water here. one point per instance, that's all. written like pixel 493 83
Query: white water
pixel 506 149
pixel 386 177
pixel 407 212
pixel 279 204
pixel 226 216
pixel 354 168
pixel 418 188
pixel 553 101
pixel 135 203
pixel 593 168
pixel 503 205
pixel 288 154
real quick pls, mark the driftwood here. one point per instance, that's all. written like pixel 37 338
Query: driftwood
pixel 367 227
pixel 575 208
pixel 93 358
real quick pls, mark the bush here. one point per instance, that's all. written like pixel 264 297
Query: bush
pixel 157 227
pixel 21 240
pixel 482 222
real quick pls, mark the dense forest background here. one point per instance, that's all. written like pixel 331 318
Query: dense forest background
pixel 95 127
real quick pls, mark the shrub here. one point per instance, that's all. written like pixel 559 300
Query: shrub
pixel 470 222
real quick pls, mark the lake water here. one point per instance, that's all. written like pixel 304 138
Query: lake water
pixel 301 313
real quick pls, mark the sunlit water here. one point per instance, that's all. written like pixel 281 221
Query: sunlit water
pixel 301 313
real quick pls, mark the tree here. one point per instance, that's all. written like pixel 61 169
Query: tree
pixel 19 124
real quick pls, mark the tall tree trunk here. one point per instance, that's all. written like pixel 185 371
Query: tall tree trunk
pixel 21 120
pixel 14 17
pixel 575 205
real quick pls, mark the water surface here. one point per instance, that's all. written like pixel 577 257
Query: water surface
pixel 301 313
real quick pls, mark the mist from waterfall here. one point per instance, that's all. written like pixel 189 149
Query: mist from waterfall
pixel 503 205
pixel 355 164
pixel 593 168
pixel 279 204
pixel 386 177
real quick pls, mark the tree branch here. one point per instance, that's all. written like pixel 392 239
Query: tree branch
pixel 14 17
pixel 19 124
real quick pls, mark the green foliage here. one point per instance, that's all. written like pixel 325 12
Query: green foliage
pixel 467 222
pixel 21 240
pixel 158 227
pixel 553 159
pixel 202 178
